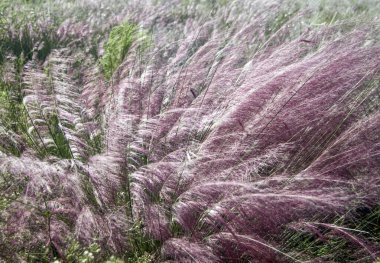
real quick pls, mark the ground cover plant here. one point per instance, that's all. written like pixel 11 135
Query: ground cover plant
pixel 189 131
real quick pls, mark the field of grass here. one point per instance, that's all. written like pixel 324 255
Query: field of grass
pixel 189 131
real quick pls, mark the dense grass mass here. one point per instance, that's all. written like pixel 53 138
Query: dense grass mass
pixel 190 131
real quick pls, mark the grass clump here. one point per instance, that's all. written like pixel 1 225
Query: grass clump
pixel 117 46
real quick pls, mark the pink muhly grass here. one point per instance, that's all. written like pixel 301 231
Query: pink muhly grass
pixel 223 128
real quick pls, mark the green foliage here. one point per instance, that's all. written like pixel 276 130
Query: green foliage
pixel 280 19
pixel 145 258
pixel 114 259
pixel 305 245
pixel 309 247
pixel 176 229
pixel 10 189
pixel 331 12
pixel 37 255
pixel 13 116
pixel 88 189
pixel 369 221
pixel 95 142
pixel 62 145
pixel 117 46
pixel 143 247
pixel 11 103
pixel 77 254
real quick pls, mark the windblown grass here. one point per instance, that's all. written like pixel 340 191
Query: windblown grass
pixel 231 131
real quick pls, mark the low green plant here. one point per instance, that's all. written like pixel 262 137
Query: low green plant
pixel 143 247
pixel 78 254
pixel 145 258
pixel 114 259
